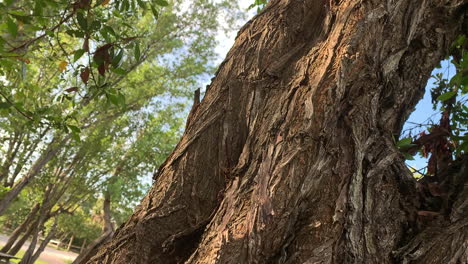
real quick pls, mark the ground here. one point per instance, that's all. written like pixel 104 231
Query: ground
pixel 50 255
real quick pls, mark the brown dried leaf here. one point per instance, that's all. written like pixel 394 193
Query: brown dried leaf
pixel 86 44
pixel 85 75
pixel 71 89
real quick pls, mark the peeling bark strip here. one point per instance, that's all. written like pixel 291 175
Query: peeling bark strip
pixel 290 157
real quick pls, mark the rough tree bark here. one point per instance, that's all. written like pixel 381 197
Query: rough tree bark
pixel 290 157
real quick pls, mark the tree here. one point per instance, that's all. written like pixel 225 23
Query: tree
pixel 290 157
pixel 44 108
pixel 123 187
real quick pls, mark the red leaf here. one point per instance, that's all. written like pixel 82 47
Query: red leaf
pixel 86 44
pixel 82 4
pixel 102 69
pixel 72 89
pixel 85 75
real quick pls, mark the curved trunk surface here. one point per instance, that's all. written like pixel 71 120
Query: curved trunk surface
pixel 290 157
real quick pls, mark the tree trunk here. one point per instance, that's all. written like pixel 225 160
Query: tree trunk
pixel 290 157
pixel 20 229
pixel 43 244
pixel 52 149
pixel 106 235
pixel 38 226
pixel 82 248
pixel 19 243
pixel 13 147
pixel 70 243
pixel 23 157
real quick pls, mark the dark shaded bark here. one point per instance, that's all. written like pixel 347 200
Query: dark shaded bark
pixel 290 157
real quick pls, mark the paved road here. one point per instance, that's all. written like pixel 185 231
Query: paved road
pixel 49 255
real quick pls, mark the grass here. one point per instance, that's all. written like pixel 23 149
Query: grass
pixel 20 255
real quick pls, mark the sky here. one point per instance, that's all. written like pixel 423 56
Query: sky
pixel 424 112
pixel 225 42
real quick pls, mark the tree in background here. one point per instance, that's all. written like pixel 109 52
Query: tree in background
pixel 78 78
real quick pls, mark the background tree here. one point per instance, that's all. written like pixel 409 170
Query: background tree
pixel 76 78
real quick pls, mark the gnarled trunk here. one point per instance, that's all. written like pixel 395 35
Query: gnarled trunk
pixel 290 157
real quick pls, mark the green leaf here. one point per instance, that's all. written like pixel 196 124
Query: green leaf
pixel 4 105
pixel 75 136
pixel 464 80
pixel 161 2
pixel 463 147
pixel 155 12
pixel 24 71
pixel 117 59
pixel 121 99
pixel 116 12
pixel 12 27
pixel 95 25
pixel 38 8
pixel 408 156
pixel 113 99
pixel 455 79
pixel 464 61
pixel 75 33
pixel 118 71
pixel 78 54
pixel 137 51
pixel 106 32
pixel 116 99
pixel 75 129
pixel 111 30
pixel 446 96
pixel 141 4
pixel 404 142
pixel 22 17
pixel 460 41
pixel 82 21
